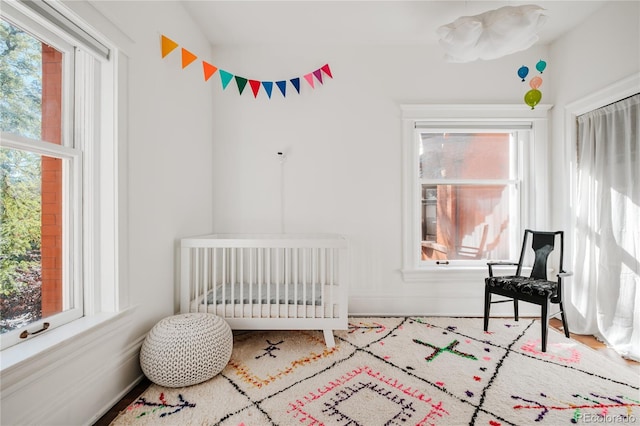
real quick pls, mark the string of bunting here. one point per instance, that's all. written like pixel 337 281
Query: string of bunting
pixel 168 46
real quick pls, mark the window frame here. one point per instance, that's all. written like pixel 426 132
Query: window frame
pixel 534 186
pixel 89 145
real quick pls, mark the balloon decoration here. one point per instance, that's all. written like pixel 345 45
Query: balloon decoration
pixel 535 82
pixel 167 46
pixel 523 71
pixel 533 96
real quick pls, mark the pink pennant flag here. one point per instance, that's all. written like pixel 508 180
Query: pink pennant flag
pixel 318 74
pixel 326 70
pixel 309 78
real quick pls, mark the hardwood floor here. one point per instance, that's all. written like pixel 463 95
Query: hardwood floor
pixel 593 343
pixel 590 341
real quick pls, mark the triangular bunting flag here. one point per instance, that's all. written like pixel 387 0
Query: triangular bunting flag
pixel 318 74
pixel 309 78
pixel 268 87
pixel 225 78
pixel 209 70
pixel 296 83
pixel 255 87
pixel 167 45
pixel 187 58
pixel 326 70
pixel 241 82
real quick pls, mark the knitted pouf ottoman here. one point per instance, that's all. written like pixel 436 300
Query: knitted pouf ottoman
pixel 186 349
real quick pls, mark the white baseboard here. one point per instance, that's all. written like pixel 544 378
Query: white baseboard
pixel 453 306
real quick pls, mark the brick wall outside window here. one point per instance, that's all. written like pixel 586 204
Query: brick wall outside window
pixel 51 220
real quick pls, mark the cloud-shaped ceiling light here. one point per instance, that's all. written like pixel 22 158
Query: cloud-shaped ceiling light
pixel 492 34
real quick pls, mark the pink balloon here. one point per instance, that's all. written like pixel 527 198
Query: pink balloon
pixel 535 82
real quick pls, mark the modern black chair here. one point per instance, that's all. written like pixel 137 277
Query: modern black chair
pixel 535 288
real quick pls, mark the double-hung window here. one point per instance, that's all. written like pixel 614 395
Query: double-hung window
pixel 53 82
pixel 469 179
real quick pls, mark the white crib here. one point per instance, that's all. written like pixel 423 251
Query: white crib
pixel 267 282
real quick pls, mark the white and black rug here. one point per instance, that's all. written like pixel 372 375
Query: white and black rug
pixel 402 371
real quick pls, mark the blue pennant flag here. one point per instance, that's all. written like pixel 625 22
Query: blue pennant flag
pixel 296 83
pixel 282 85
pixel 268 86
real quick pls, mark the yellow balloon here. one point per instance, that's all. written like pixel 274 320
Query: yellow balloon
pixel 532 97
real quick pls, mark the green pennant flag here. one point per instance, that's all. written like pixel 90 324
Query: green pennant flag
pixel 241 82
pixel 225 77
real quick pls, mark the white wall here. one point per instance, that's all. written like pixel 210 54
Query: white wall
pixel 343 139
pixel 167 154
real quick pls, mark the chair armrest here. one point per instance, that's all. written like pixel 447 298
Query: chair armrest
pixel 492 264
pixel 434 246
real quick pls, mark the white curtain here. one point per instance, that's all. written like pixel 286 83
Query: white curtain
pixel 605 289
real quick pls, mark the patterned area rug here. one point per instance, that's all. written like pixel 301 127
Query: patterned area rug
pixel 402 371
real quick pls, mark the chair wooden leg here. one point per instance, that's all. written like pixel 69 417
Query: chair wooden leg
pixel 544 323
pixel 515 309
pixel 487 307
pixel 564 321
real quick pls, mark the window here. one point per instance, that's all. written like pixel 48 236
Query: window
pixel 51 121
pixel 468 183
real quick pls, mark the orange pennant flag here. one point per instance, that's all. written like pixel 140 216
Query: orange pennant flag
pixel 209 70
pixel 187 58
pixel 167 46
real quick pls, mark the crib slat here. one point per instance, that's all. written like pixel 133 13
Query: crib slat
pixel 214 277
pixel 323 274
pixel 267 275
pixel 314 277
pixel 250 282
pixel 223 279
pixel 241 278
pixel 186 283
pixel 260 280
pixel 205 277
pixel 287 279
pixel 277 281
pixel 331 271
pixel 296 280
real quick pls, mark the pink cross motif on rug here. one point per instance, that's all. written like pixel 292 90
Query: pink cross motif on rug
pixel 339 401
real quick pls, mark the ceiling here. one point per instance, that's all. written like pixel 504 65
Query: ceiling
pixel 359 22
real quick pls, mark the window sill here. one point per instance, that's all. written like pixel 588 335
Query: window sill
pixel 39 351
pixel 443 273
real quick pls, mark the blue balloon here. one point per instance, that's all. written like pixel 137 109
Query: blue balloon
pixel 541 65
pixel 523 72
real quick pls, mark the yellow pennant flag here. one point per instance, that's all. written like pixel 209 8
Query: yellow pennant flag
pixel 167 46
